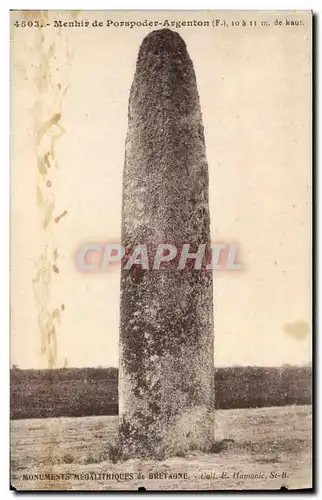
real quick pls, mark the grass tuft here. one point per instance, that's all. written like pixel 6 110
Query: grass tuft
pixel 219 446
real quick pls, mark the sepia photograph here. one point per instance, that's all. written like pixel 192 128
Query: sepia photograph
pixel 161 250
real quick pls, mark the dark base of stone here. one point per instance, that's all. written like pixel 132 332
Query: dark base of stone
pixel 157 438
pixel 120 452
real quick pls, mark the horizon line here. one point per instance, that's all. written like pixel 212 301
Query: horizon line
pixel 103 367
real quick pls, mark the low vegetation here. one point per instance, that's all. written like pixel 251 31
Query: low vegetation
pixel 76 392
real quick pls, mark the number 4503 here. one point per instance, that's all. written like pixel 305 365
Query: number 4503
pixel 28 24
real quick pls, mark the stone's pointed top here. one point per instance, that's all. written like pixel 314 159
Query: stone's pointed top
pixel 161 42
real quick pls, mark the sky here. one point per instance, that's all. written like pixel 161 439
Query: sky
pixel 70 98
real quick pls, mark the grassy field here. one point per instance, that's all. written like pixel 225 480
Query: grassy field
pixel 274 444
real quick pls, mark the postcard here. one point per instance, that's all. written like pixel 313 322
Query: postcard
pixel 161 241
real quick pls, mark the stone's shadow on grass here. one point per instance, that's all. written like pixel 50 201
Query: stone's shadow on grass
pixel 116 455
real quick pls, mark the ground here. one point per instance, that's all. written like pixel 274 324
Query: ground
pixel 270 445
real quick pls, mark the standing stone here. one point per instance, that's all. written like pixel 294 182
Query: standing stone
pixel 166 375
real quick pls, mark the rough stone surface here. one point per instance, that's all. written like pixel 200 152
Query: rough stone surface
pixel 166 391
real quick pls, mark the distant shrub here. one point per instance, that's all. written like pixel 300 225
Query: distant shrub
pixel 77 392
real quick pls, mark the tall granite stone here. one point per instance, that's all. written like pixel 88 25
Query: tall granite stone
pixel 166 375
